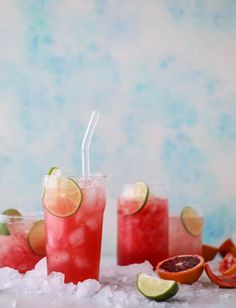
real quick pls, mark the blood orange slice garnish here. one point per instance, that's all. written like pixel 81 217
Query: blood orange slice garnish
pixel 36 238
pixel 191 221
pixel 184 269
pixel 137 196
pixel 62 196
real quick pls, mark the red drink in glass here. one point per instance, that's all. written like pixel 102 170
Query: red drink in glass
pixel 73 243
pixel 15 249
pixel 181 241
pixel 143 235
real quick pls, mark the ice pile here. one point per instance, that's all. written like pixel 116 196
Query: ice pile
pixel 116 288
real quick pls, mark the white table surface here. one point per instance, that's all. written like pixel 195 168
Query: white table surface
pixel 200 294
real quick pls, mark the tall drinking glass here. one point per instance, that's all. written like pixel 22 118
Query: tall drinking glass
pixel 185 232
pixel 142 234
pixel 73 209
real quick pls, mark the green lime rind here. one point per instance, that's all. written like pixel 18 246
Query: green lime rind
pixel 192 226
pixel 156 289
pixel 11 212
pixel 54 171
pixel 140 194
pixel 3 229
pixel 65 214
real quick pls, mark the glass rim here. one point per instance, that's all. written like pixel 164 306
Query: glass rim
pixel 83 177
pixel 30 215
pixel 152 184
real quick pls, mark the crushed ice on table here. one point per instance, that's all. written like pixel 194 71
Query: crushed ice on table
pixel 116 288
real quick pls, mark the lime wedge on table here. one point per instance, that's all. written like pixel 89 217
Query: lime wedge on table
pixel 191 221
pixel 156 289
pixel 36 238
pixel 62 196
pixel 138 193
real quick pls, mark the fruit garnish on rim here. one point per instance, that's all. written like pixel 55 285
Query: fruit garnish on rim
pixel 138 194
pixel 156 289
pixel 3 226
pixel 191 221
pixel 185 269
pixel 36 238
pixel 62 196
pixel 55 171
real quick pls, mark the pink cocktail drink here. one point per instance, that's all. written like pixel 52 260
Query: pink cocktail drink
pixel 143 235
pixel 15 247
pixel 73 242
pixel 181 241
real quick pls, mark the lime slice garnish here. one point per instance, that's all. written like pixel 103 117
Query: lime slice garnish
pixel 36 238
pixel 191 221
pixel 55 171
pixel 62 197
pixel 9 212
pixel 3 229
pixel 157 289
pixel 137 196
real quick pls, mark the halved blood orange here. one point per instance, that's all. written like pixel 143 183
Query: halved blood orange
pixel 209 252
pixel 221 281
pixel 185 269
pixel 36 238
pixel 226 246
pixel 191 221
pixel 227 263
pixel 62 196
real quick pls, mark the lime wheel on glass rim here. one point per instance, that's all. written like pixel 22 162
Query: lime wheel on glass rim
pixel 191 221
pixel 62 196
pixel 138 195
pixel 185 269
pixel 36 238
pixel 156 289
pixel 9 212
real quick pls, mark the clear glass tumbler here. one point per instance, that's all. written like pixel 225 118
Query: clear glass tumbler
pixel 20 236
pixel 73 209
pixel 142 235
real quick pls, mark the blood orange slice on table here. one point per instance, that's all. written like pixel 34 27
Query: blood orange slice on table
pixel 228 265
pixel 62 197
pixel 226 247
pixel 209 252
pixel 185 269
pixel 221 281
pixel 135 198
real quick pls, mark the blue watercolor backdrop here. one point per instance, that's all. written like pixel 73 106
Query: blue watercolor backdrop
pixel 162 75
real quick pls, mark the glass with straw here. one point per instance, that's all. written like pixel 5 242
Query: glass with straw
pixel 73 209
